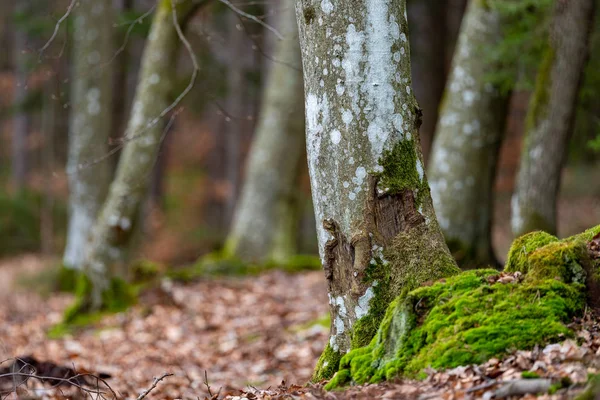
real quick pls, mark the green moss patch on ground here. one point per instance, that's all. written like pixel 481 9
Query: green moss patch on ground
pixel 219 264
pixel 523 246
pixel 463 320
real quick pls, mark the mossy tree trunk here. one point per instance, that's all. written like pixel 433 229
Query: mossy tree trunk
pixel 90 123
pixel 264 224
pixel 427 24
pixel 114 230
pixel 467 142
pixel 377 232
pixel 550 118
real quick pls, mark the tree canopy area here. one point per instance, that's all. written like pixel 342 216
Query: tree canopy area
pixel 300 199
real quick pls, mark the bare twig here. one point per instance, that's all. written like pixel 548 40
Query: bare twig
pixel 210 393
pixel 252 17
pixel 151 388
pixel 522 387
pixel 57 27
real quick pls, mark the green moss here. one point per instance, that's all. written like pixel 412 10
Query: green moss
pixel 529 375
pixel 116 298
pixel 464 320
pixel 539 98
pixel 523 246
pixel 592 388
pixel 221 263
pixel 327 365
pixel 400 171
pixel 145 270
pixel 586 236
pixel 67 278
pixel 558 260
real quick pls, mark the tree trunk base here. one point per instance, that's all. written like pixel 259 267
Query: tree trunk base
pixel 473 316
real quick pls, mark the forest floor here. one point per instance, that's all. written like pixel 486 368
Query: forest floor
pixel 240 339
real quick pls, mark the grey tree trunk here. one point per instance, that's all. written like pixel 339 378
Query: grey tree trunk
pixel 112 234
pixel 21 120
pixel 236 91
pixel 90 124
pixel 467 142
pixel 427 23
pixel 377 231
pixel 550 118
pixel 264 224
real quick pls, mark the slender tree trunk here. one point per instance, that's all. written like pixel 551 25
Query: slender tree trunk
pixel 236 91
pixel 21 120
pixel 263 227
pixel 116 224
pixel 427 23
pixel 90 123
pixel 467 142
pixel 377 231
pixel 550 118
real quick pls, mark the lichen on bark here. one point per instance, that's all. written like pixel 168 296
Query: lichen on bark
pixel 377 231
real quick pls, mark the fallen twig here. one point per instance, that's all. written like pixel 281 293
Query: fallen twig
pixel 522 387
pixel 151 388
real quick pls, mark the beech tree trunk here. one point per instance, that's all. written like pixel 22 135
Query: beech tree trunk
pixel 90 124
pixel 550 118
pixel 116 224
pixel 377 231
pixel 467 142
pixel 264 224
pixel 427 23
pixel 236 93
pixel 21 120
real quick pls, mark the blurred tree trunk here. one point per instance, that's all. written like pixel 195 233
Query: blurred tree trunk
pixel 50 107
pixel 427 25
pixel 467 142
pixel 235 106
pixel 90 123
pixel 550 118
pixel 120 102
pixel 21 120
pixel 377 231
pixel 112 234
pixel 264 224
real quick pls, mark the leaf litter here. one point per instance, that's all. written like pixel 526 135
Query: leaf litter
pixel 245 339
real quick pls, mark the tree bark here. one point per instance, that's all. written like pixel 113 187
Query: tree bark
pixel 116 224
pixel 467 142
pixel 21 120
pixel 377 231
pixel 427 23
pixel 236 91
pixel 550 118
pixel 264 224
pixel 90 124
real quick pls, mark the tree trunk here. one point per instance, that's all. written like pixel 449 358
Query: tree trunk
pixel 90 124
pixel 550 118
pixel 377 231
pixel 236 91
pixel 264 224
pixel 116 224
pixel 467 142
pixel 427 23
pixel 21 119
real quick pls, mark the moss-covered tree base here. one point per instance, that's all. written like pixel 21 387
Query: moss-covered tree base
pixel 116 298
pixel 479 314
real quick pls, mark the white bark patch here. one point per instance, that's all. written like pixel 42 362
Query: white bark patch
pixel 326 6
pixel 336 137
pixel 362 308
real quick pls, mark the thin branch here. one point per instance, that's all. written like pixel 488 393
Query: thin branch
pixel 56 28
pixel 253 18
pixel 151 388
